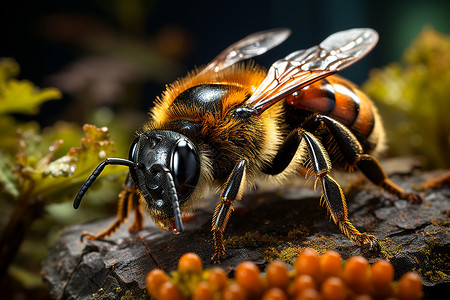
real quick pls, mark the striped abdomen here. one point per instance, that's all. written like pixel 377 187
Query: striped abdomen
pixel 338 98
pixel 342 100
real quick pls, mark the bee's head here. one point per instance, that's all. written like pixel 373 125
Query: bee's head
pixel 167 172
pixel 165 166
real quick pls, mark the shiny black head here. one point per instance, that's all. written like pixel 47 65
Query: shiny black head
pixel 177 154
pixel 165 166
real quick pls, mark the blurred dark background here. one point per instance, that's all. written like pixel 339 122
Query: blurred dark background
pixel 104 47
pixel 112 58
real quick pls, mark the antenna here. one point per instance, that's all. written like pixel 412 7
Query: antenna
pixel 87 184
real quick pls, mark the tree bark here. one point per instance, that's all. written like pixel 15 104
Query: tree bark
pixel 265 225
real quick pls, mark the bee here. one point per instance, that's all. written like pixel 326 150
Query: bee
pixel 231 123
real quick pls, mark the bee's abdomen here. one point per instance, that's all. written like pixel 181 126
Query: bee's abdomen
pixel 339 99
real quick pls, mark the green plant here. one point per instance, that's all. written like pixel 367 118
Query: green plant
pixel 413 98
pixel 36 168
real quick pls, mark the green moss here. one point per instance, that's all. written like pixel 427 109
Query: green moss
pixel 390 249
pixel 250 240
pixel 320 244
pixel 413 99
pixel 122 294
pixel 437 276
pixel 436 265
pixel 287 254
pixel 256 239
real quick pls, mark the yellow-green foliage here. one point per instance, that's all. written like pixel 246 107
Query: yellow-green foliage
pixel 414 96
pixel 29 164
pixel 39 170
pixel 20 96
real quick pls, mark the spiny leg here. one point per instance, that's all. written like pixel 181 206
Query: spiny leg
pixel 332 192
pixel 232 192
pixel 320 166
pixel 367 164
pixel 128 200
pixel 138 222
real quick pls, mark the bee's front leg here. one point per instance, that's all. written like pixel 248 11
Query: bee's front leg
pixel 232 191
pixel 128 200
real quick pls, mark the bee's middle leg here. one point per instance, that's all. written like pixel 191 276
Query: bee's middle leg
pixel 320 165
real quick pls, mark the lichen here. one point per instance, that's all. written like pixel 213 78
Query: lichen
pixel 436 266
pixel 389 249
pixel 412 96
pixel 287 254
pixel 122 294
pixel 250 240
pixel 320 244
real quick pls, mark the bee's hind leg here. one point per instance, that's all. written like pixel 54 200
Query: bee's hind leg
pixel 320 165
pixel 128 200
pixel 367 164
pixel 333 194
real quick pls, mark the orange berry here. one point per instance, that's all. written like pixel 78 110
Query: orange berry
pixel 333 288
pixel 202 291
pixel 309 294
pixel 301 283
pixel 190 262
pixel 277 275
pixel 247 276
pixel 409 286
pixel 155 278
pixel 308 262
pixel 218 278
pixel 330 264
pixel 356 274
pixel 274 294
pixel 168 291
pixel 382 277
pixel 382 273
pixel 233 292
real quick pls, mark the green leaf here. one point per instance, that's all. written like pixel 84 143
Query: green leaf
pixel 23 97
pixel 53 178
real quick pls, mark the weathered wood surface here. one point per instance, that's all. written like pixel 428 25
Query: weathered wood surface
pixel 265 224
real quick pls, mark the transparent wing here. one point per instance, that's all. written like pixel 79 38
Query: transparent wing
pixel 250 46
pixel 304 67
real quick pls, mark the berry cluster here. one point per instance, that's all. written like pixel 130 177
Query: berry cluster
pixel 313 277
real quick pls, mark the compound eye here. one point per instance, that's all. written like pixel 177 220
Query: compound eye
pixel 185 165
pixel 133 150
